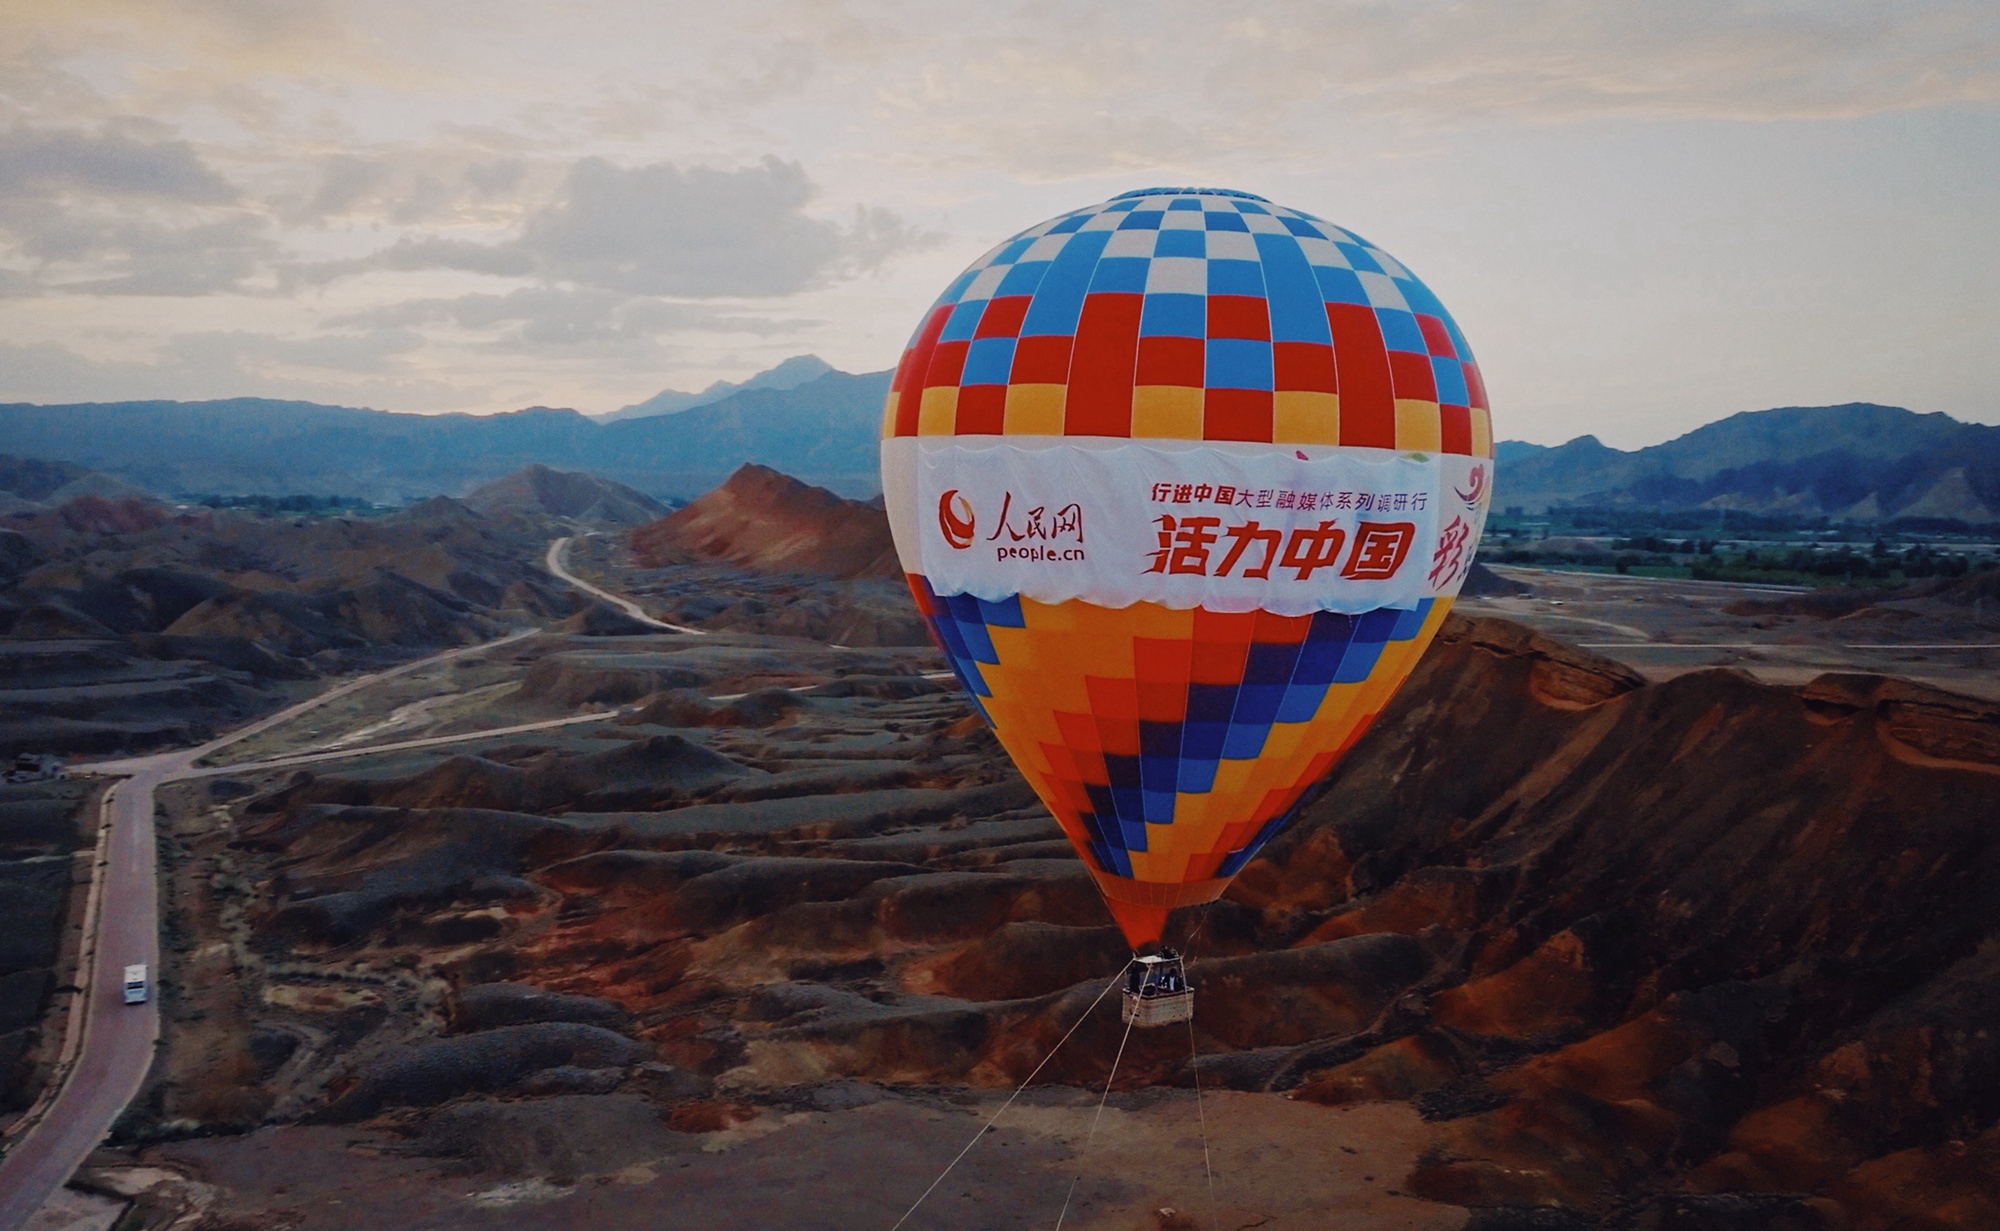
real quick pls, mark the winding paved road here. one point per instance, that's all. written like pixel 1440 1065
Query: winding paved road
pixel 559 551
pixel 118 1039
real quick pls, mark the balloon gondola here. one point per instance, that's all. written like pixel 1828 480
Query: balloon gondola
pixel 1157 992
pixel 1184 483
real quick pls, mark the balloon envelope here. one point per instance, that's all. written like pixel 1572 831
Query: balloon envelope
pixel 1184 483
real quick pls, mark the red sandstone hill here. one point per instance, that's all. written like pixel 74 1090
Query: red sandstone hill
pixel 771 522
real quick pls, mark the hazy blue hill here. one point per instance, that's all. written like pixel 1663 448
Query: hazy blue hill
pixel 823 431
pixel 1570 469
pixel 1794 433
pixel 249 446
pixel 1858 460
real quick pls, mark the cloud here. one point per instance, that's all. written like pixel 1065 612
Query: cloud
pixel 411 185
pixel 1087 88
pixel 568 320
pixel 1452 63
pixel 115 162
pixel 124 210
pixel 659 230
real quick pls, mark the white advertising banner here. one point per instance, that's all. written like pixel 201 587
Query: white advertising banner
pixel 1228 527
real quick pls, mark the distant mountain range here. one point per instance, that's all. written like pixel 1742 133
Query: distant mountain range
pixel 790 374
pixel 824 430
pixel 1858 462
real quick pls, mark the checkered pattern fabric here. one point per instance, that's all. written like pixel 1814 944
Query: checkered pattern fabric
pixel 1172 744
pixel 1192 314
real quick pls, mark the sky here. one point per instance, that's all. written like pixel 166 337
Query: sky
pixel 1644 216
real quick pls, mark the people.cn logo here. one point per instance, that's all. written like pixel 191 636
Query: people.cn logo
pixel 955 519
pixel 1478 485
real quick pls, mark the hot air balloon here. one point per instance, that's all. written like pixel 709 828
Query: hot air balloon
pixel 1184 483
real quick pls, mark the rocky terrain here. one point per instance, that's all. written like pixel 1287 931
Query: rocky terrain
pixel 1554 945
pixel 769 934
pixel 127 624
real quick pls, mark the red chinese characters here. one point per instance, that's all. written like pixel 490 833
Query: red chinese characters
pixel 1379 550
pixel 1184 544
pixel 1188 546
pixel 1241 538
pixel 1450 558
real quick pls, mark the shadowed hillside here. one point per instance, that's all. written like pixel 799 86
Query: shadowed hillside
pixel 127 624
pixel 1693 951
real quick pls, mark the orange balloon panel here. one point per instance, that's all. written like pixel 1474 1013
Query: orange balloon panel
pixel 1171 744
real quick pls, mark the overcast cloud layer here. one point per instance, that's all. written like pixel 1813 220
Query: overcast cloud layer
pixel 1645 216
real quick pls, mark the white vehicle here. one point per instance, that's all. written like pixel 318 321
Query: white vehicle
pixel 136 988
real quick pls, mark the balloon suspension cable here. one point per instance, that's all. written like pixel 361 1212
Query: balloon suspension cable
pixel 1090 1136
pixel 1194 1067
pixel 980 1135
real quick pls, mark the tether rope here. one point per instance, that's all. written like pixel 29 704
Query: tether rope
pixel 1194 1067
pixel 1089 1137
pixel 1017 1094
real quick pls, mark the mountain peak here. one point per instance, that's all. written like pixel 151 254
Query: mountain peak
pixel 790 374
pixel 562 493
pixel 765 519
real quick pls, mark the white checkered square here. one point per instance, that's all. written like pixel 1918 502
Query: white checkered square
pixel 1231 246
pixel 1045 248
pixel 1382 290
pixel 1182 220
pixel 1265 224
pixel 988 281
pixel 1131 243
pixel 1183 274
pixel 1322 252
pixel 1390 265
